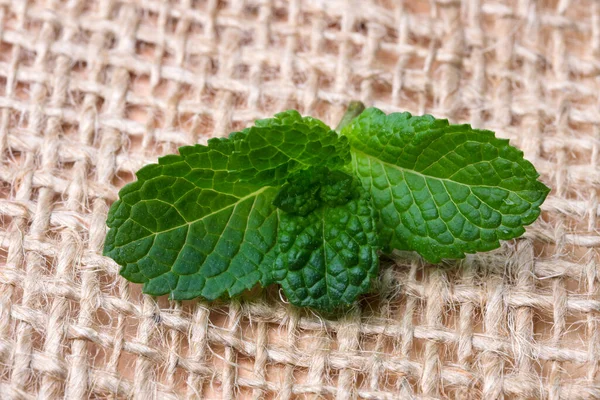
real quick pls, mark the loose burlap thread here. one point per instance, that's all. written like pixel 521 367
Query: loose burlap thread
pixel 92 91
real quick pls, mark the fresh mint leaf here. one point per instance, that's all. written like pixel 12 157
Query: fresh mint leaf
pixel 274 148
pixel 442 190
pixel 327 258
pixel 300 195
pixel 292 202
pixel 338 188
pixel 200 223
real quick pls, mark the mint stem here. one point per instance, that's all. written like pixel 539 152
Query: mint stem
pixel 355 108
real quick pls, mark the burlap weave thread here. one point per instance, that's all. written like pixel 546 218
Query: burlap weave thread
pixel 91 91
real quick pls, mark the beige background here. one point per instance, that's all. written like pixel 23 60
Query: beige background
pixel 91 91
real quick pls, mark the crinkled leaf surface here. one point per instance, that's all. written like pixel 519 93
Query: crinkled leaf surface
pixel 442 190
pixel 301 193
pixel 200 223
pixel 327 258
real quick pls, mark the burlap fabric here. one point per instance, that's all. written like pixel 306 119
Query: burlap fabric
pixel 90 92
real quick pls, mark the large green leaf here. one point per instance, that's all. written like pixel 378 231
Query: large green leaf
pixel 200 223
pixel 442 190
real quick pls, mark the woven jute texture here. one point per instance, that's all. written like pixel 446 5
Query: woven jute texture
pixel 92 91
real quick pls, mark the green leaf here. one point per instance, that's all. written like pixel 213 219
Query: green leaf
pixel 442 190
pixel 327 258
pixel 300 195
pixel 338 188
pixel 200 223
pixel 275 148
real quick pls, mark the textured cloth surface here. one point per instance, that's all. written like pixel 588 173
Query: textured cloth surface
pixel 90 92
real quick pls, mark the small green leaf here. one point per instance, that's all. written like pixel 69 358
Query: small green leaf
pixel 442 190
pixel 300 195
pixel 327 258
pixel 274 148
pixel 199 224
pixel 338 188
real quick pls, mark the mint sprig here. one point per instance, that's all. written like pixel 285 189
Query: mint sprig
pixel 292 202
